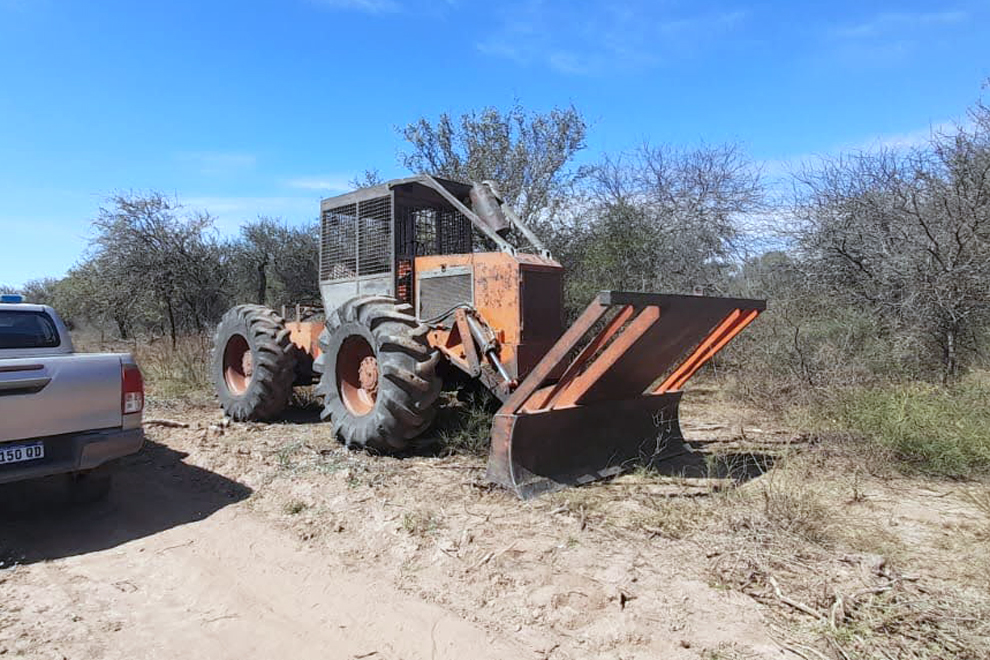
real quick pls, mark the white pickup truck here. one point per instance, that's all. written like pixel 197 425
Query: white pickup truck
pixel 62 412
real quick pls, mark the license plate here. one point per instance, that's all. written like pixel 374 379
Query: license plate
pixel 22 452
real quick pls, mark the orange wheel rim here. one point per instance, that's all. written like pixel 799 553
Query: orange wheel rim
pixel 357 375
pixel 238 364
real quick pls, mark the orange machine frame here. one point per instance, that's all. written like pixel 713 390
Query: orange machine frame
pixel 518 296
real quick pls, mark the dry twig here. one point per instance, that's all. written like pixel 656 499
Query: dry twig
pixel 167 423
pixel 798 605
pixel 492 555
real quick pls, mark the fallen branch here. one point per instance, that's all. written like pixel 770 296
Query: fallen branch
pixel 796 604
pixel 802 651
pixel 492 555
pixel 452 467
pixel 173 547
pixel 168 423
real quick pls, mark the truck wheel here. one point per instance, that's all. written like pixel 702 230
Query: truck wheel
pixel 253 363
pixel 378 374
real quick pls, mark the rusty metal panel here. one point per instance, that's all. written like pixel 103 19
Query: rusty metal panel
pixel 545 451
pixel 497 282
pixel 541 302
pixel 684 322
pixel 305 335
pixel 625 342
pixel 598 419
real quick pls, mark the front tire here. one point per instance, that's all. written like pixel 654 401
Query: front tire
pixel 378 374
pixel 253 363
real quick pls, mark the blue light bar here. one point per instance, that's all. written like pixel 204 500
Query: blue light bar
pixel 11 298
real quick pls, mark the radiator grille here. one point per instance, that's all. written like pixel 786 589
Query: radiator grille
pixel 442 291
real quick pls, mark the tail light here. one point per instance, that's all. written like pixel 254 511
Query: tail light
pixel 132 390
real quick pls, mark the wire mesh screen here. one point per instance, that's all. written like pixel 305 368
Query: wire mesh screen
pixel 430 230
pixel 375 236
pixel 338 253
pixel 356 240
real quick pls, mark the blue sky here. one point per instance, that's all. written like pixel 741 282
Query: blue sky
pixel 247 108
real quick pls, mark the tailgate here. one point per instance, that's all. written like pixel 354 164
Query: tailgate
pixel 60 394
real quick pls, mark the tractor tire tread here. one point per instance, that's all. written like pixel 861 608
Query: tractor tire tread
pixel 408 384
pixel 268 391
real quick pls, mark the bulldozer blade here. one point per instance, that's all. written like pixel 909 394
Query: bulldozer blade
pixel 549 450
pixel 605 397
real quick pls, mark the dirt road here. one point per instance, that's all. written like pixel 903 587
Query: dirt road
pixel 174 566
pixel 273 542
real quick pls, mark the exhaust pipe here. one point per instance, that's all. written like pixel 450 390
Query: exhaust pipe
pixel 487 207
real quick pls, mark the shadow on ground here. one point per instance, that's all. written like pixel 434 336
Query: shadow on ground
pixel 152 491
pixel 696 460
pixel 309 414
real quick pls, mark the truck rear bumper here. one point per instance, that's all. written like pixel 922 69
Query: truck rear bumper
pixel 74 452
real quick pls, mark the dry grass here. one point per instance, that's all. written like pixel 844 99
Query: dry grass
pixel 170 373
pixel 305 398
pixel 929 429
pixel 421 522
pixel 815 538
pixel 463 426
pixel 805 541
pixel 811 540
pixel 979 497
pixel 295 507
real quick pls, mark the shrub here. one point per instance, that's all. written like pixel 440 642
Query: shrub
pixel 934 430
pixel 175 371
pixel 464 425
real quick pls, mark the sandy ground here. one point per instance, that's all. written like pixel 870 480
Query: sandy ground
pixel 271 541
pixel 177 565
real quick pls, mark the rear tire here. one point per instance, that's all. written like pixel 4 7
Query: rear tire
pixel 378 374
pixel 253 363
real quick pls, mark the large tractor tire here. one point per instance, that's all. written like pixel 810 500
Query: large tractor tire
pixel 253 363
pixel 378 374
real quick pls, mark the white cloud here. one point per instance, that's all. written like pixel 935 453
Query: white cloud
pixel 888 22
pixel 907 140
pixel 328 183
pixel 231 212
pixel 777 171
pixel 367 6
pixel 599 37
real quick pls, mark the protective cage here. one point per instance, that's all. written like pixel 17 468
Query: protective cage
pixel 370 238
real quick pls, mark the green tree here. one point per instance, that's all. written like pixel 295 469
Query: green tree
pixel 658 219
pixel 275 264
pixel 147 250
pixel 528 155
pixel 906 237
